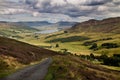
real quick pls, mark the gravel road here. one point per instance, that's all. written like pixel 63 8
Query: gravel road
pixel 35 72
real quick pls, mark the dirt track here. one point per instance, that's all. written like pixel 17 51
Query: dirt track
pixel 35 72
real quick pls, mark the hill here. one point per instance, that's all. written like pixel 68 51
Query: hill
pixel 14 25
pixel 10 29
pixel 14 53
pixel 35 23
pixel 41 24
pixel 81 37
pixel 110 25
pixel 75 68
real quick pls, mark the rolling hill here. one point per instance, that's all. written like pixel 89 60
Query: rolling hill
pixel 110 25
pixel 23 52
pixel 12 30
pixel 80 38
pixel 14 54
pixel 41 24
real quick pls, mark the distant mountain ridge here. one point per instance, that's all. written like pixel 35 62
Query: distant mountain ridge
pixel 105 25
pixel 35 23
pixel 10 29
pixel 14 25
pixel 60 24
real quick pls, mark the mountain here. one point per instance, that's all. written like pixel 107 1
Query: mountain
pixel 35 23
pixel 14 25
pixel 64 24
pixel 41 24
pixel 109 25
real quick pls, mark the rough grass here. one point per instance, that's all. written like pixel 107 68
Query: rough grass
pixel 13 54
pixel 74 68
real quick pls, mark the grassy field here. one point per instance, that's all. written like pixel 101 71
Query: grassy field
pixel 73 42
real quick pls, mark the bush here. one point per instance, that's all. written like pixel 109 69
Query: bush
pixel 57 45
pixel 109 45
pixel 116 55
pixel 92 56
pixel 65 31
pixel 3 65
pixel 112 61
pixel 94 46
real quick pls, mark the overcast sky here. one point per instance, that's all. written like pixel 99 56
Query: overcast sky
pixel 58 10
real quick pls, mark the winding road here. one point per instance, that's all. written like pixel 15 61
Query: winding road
pixel 35 72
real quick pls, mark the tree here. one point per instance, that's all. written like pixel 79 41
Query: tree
pixel 92 56
pixel 94 46
pixel 65 31
pixel 57 45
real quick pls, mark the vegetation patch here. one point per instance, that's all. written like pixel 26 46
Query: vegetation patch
pixel 74 68
pixel 69 39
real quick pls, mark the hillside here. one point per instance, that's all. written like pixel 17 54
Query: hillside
pixel 110 25
pixel 45 26
pixel 75 68
pixel 23 52
pixel 13 53
pixel 10 29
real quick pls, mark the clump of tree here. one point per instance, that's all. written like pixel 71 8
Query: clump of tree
pixel 109 45
pixel 64 52
pixel 88 43
pixel 88 57
pixel 112 61
pixel 104 59
pixel 65 31
pixel 94 46
pixel 57 45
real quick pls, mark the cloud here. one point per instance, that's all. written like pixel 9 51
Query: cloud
pixel 12 11
pixel 73 8
pixel 56 10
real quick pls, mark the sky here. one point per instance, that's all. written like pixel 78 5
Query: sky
pixel 58 10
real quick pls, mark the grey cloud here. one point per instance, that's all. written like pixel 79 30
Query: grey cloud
pixel 73 8
pixel 98 2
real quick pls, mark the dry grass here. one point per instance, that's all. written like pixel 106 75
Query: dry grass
pixel 74 68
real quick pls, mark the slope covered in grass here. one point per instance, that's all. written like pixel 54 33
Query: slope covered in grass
pixel 74 68
pixel 13 54
pixel 110 25
pixel 9 29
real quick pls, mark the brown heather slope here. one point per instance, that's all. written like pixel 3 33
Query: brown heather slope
pixel 74 68
pixel 110 25
pixel 22 52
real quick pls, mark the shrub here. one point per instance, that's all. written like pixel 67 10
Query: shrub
pixel 94 46
pixel 92 56
pixel 109 45
pixel 65 31
pixel 3 65
pixel 57 45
